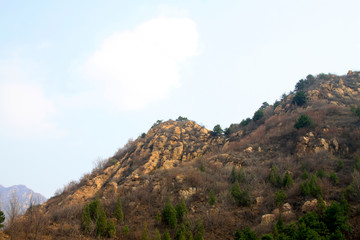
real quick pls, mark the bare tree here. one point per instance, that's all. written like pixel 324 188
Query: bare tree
pixel 14 209
pixel 34 220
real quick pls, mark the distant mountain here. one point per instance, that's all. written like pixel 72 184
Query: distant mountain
pixel 24 196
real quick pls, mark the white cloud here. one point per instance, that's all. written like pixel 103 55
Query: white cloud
pixel 25 111
pixel 134 68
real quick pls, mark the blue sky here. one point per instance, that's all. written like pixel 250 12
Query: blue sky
pixel 79 78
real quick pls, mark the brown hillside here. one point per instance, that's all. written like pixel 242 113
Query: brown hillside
pixel 183 160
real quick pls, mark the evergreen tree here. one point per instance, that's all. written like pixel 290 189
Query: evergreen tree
pixel 166 235
pixel 111 228
pixel 157 235
pixel 93 208
pixel 181 210
pixel 303 121
pixel 212 197
pixel 86 219
pixel 241 197
pixel 300 98
pixel 234 175
pixel 199 229
pixel 217 130
pixel 126 230
pixel 259 114
pixel 275 178
pixel 119 215
pixel 245 234
pixel 145 233
pixel 101 222
pixel 288 181
pixel 320 206
pixel 2 218
pixel 280 197
pixel 169 214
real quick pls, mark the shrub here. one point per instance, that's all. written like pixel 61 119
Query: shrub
pixel 234 175
pixel 93 208
pixel 217 130
pixel 320 173
pixel 258 115
pixel 246 233
pixel 275 178
pixel 303 121
pixel 182 119
pixel 145 233
pixel 333 178
pixel 303 83
pixel 340 165
pixel 280 197
pixel 212 197
pixel 245 122
pixel 242 198
pixel 199 230
pixel 310 188
pixel 299 98
pixel 356 110
pixel 125 230
pixel 119 215
pixel 156 123
pixel 2 218
pixel 157 235
pixel 169 214
pixel 357 163
pixel 202 166
pixel 305 175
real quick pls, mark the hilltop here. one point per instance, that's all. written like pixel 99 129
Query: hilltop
pixel 276 165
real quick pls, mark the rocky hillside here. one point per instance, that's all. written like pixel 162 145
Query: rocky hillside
pixel 22 195
pixel 275 165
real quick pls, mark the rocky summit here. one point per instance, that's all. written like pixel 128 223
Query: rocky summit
pixel 291 171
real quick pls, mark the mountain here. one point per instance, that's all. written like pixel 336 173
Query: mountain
pixel 22 195
pixel 291 169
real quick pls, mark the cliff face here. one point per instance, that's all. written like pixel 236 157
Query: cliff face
pixel 183 160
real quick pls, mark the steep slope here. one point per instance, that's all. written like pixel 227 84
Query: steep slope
pixel 22 196
pixel 228 181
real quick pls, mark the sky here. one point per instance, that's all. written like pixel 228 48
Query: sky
pixel 80 78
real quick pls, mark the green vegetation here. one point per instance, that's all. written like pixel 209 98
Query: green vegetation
pixel 303 121
pixel 310 188
pixel 169 214
pixel 111 228
pixel 242 198
pixel 2 218
pixel 212 198
pixel 245 234
pixel 202 166
pixel 304 83
pixel 199 230
pixel 299 98
pixel 340 165
pixel 166 235
pixel 280 197
pixel 86 219
pixel 305 175
pixel 119 215
pixel 156 123
pixel 145 233
pixel 320 173
pixel 245 122
pixel 275 178
pixel 288 181
pixel 258 115
pixel 157 235
pixel 357 163
pixel 234 175
pixel 333 178
pixel 101 222
pixel 181 210
pixel 356 110
pixel 329 223
pixel 217 130
pixel 182 119
pixel 126 230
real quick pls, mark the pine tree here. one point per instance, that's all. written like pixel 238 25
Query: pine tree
pixel 157 235
pixel 200 230
pixel 212 197
pixel 119 215
pixel 145 233
pixel 166 235
pixel 234 175
pixel 111 228
pixel 101 222
pixel 86 219
pixel 288 181
pixel 169 214
pixel 181 210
